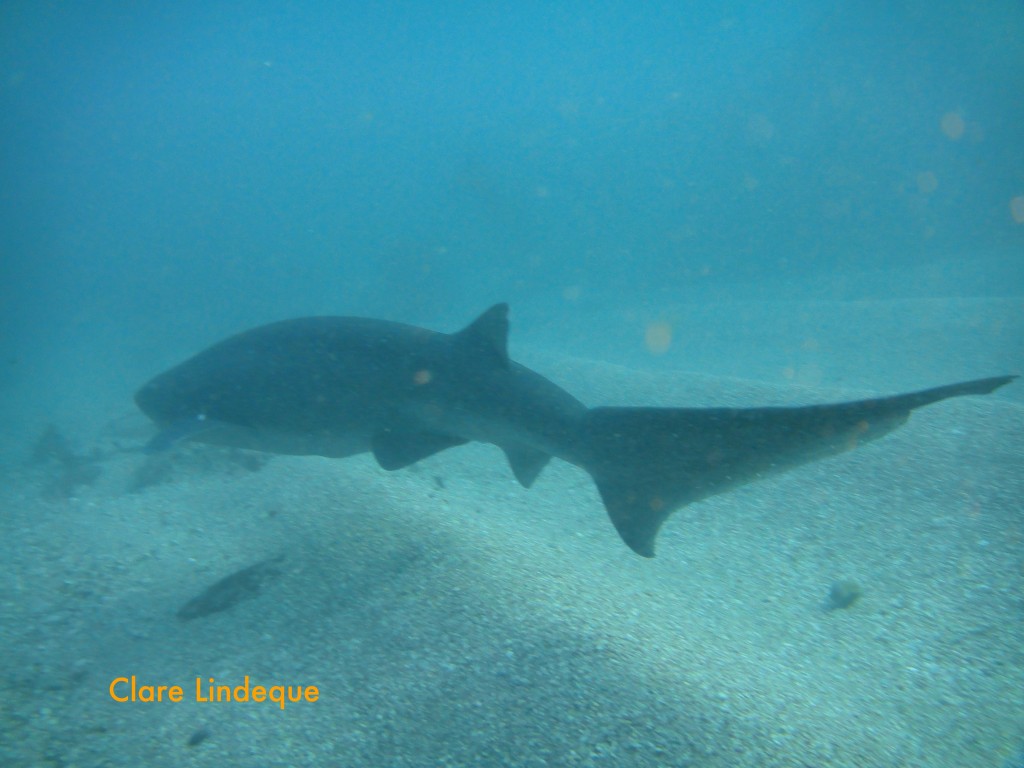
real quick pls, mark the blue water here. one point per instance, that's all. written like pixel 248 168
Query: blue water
pixel 412 159
pixel 198 169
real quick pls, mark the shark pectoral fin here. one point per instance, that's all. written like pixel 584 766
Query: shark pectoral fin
pixel 398 448
pixel 527 463
pixel 183 429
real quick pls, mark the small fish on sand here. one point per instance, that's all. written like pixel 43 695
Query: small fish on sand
pixel 843 594
pixel 232 589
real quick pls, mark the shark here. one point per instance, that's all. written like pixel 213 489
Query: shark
pixel 340 386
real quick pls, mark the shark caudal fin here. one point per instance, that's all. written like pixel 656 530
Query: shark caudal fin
pixel 648 462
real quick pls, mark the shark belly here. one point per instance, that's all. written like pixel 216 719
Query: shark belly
pixel 331 445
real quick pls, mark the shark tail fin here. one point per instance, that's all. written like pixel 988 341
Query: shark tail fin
pixel 648 462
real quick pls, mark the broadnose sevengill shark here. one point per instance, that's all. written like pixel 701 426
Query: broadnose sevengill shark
pixel 338 386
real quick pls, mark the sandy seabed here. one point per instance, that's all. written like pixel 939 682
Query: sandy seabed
pixel 450 617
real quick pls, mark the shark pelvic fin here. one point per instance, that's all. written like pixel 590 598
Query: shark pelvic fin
pixel 526 462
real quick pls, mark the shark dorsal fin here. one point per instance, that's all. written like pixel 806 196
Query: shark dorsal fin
pixel 486 338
